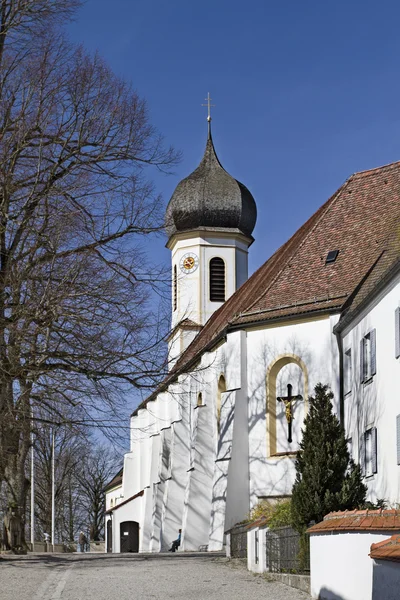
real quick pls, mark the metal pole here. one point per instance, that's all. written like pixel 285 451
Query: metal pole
pixel 53 506
pixel 32 494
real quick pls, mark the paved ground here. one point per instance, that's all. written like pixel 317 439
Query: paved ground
pixel 133 577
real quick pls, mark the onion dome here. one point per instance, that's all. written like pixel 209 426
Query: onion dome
pixel 210 198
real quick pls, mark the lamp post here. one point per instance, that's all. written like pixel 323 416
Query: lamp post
pixel 32 494
pixel 32 484
pixel 53 500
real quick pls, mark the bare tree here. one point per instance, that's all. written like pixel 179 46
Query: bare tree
pixel 98 467
pixel 75 141
pixel 82 470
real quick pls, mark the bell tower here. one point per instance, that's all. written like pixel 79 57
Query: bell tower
pixel 209 221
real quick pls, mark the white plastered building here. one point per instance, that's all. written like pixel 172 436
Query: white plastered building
pixel 214 438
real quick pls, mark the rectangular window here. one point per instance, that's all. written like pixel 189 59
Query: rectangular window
pixel 368 356
pixel 397 332
pixel 370 452
pixel 347 371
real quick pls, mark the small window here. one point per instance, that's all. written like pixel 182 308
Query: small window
pixel 200 400
pixel 221 390
pixel 217 280
pixel 347 371
pixel 175 289
pixel 369 452
pixel 331 257
pixel 112 502
pixel 397 332
pixel 368 356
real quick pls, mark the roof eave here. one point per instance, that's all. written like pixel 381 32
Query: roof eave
pixel 348 317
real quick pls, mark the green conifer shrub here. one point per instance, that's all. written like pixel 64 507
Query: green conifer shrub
pixel 327 479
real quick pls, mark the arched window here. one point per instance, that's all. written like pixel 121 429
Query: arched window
pixel 199 400
pixel 221 389
pixel 217 280
pixel 175 289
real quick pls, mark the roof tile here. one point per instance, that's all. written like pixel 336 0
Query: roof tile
pixel 361 520
pixel 387 549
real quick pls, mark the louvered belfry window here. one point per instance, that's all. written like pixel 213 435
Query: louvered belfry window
pixel 217 280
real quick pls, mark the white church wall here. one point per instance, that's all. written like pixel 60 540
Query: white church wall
pixel 233 357
pixel 163 474
pixel 197 505
pixel 150 493
pixel 132 480
pixel 217 522
pixel 238 487
pixel 113 496
pixel 374 403
pixel 132 511
pixel 175 483
pixel 309 341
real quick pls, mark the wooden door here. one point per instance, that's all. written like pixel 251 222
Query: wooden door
pixel 129 532
pixel 109 535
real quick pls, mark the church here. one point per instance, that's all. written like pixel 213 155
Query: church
pixel 222 430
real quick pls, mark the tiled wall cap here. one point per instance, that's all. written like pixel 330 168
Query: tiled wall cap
pixel 359 520
pixel 387 549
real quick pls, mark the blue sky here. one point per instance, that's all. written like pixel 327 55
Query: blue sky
pixel 306 93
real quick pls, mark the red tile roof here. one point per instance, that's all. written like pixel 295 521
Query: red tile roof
pixel 359 520
pixel 361 220
pixel 387 549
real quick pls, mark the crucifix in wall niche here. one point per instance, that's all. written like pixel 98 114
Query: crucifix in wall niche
pixel 287 400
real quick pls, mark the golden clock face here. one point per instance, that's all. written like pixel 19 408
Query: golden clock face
pixel 189 263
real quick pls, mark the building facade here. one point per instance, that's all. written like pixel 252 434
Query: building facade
pixel 223 429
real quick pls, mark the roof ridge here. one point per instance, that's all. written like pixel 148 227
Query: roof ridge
pixel 367 172
pixel 328 205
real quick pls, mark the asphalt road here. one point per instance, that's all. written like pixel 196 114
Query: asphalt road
pixel 134 577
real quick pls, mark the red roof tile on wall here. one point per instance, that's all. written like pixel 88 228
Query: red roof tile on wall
pixel 387 549
pixel 359 520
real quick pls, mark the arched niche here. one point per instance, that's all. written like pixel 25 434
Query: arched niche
pixel 272 392
pixel 221 389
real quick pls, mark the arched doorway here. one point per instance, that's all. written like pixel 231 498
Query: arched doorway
pixel 109 535
pixel 129 533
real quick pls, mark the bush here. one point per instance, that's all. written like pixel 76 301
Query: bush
pixel 276 514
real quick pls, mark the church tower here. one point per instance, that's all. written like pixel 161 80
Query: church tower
pixel 209 221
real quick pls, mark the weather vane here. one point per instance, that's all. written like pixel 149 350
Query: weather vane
pixel 209 105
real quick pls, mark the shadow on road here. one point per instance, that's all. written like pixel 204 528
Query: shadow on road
pixel 52 560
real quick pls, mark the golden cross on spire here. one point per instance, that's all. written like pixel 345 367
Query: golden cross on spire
pixel 209 105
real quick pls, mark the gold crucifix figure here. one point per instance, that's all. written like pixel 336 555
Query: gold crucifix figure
pixel 209 105
pixel 287 400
